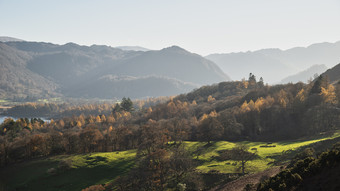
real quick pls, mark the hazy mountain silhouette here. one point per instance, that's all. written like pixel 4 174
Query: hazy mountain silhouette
pixel 133 48
pixel 129 86
pixel 8 39
pixel 275 64
pixel 306 75
pixel 173 62
pixel 107 72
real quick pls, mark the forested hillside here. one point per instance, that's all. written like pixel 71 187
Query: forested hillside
pixel 333 74
pixel 229 111
pixel 245 110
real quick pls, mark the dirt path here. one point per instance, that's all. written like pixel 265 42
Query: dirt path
pixel 239 184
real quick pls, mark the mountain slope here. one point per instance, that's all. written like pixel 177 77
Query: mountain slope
pixel 333 74
pixel 129 86
pixel 305 75
pixel 17 81
pixel 106 72
pixel 283 62
pixel 173 62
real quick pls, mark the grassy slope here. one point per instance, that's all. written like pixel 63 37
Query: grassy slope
pixel 266 154
pixel 101 168
pixel 98 168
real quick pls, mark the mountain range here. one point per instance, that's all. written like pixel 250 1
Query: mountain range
pixel 305 75
pixel 133 48
pixel 274 64
pixel 38 69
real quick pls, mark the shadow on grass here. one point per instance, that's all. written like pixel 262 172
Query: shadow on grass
pixel 78 178
pixel 94 160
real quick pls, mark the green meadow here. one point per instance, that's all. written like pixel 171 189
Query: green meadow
pixel 101 168
pixel 266 152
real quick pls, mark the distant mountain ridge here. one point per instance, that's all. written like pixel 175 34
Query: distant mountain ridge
pixel 305 75
pixel 8 39
pixel 105 72
pixel 133 48
pixel 275 64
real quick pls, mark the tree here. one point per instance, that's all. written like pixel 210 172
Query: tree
pixel 252 80
pixel 117 108
pixel 126 104
pixel 320 82
pixel 328 94
pixel 240 154
pixel 260 83
pixel 210 129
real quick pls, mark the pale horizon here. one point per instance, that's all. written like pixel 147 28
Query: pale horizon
pixel 202 27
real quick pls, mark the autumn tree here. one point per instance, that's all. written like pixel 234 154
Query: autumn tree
pixel 210 129
pixel 89 138
pixel 328 94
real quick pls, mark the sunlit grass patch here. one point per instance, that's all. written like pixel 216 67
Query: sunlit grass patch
pixel 266 152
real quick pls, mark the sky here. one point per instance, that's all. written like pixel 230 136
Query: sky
pixel 200 26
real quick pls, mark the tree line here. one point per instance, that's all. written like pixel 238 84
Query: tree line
pixel 231 111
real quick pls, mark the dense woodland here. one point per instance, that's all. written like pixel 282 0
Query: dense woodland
pixel 232 111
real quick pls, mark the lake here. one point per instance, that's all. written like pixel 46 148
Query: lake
pixel 2 118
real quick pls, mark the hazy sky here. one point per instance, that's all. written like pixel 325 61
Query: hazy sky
pixel 200 26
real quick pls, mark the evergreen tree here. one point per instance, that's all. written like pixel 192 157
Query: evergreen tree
pixel 126 104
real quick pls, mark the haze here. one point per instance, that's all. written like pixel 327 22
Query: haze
pixel 203 27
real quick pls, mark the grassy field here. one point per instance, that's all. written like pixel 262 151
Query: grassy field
pixel 101 168
pixel 86 170
pixel 266 154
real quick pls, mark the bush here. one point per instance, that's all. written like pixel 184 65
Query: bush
pixel 52 171
pixel 65 165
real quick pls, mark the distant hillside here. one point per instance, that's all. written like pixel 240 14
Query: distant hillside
pixel 333 74
pixel 133 48
pixel 275 64
pixel 129 86
pixel 106 72
pixel 304 76
pixel 8 39
pixel 173 62
pixel 17 81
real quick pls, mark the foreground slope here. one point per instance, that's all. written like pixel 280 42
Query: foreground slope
pixel 76 172
pixel 67 172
